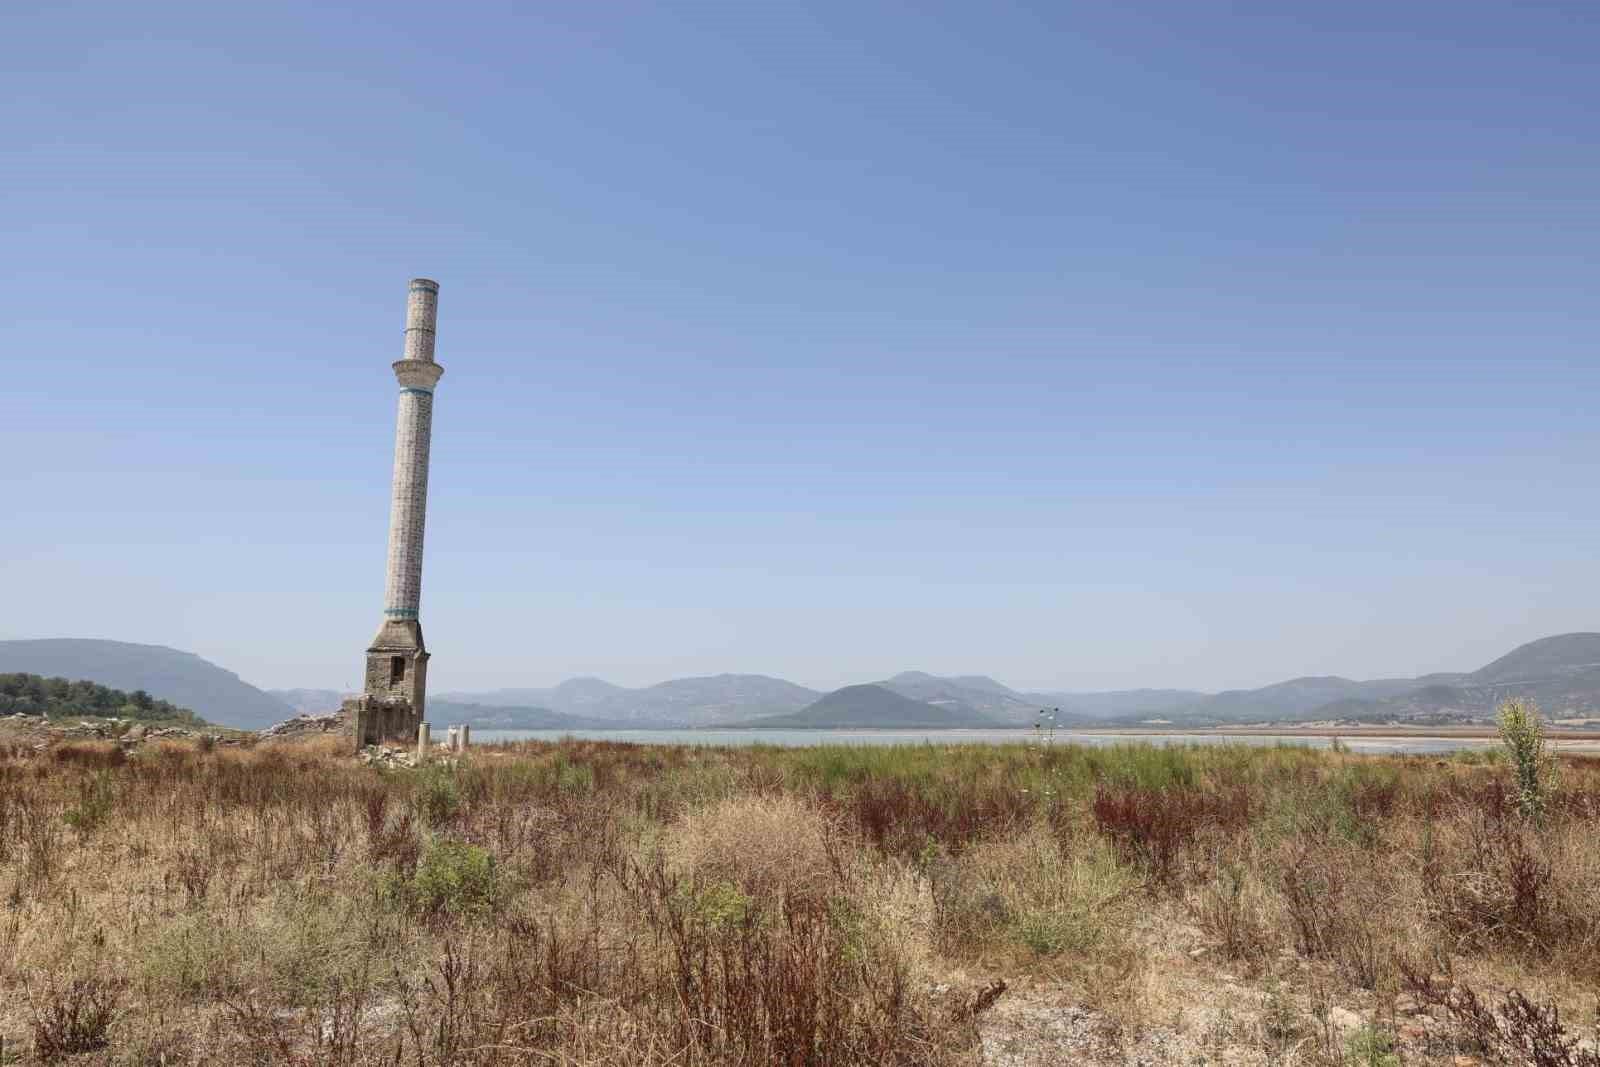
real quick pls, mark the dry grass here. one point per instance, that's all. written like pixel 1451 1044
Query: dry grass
pixel 589 903
pixel 767 845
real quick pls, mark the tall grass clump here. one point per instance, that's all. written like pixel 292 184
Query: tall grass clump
pixel 769 846
pixel 1522 734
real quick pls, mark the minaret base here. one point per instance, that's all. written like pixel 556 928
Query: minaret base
pixel 392 704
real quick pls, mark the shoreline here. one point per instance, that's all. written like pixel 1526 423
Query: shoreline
pixel 1438 733
pixel 1401 739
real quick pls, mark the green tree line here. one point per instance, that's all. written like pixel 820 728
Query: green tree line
pixel 61 698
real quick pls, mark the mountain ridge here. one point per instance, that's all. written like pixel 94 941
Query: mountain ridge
pixel 701 700
pixel 1561 672
pixel 873 706
pixel 182 678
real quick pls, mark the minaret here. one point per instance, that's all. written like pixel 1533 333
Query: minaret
pixel 395 695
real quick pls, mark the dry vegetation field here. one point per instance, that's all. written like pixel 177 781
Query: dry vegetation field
pixel 594 903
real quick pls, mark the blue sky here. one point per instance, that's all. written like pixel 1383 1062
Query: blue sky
pixel 1086 345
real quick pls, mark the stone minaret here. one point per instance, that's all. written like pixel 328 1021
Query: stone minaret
pixel 395 697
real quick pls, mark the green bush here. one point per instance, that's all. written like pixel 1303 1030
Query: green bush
pixel 1370 1047
pixel 438 796
pixel 96 798
pixel 193 956
pixel 574 777
pixel 454 876
pixel 721 905
pixel 1049 933
pixel 1522 734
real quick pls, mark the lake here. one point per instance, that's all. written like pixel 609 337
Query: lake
pixel 801 738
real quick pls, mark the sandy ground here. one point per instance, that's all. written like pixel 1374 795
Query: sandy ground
pixel 1192 1009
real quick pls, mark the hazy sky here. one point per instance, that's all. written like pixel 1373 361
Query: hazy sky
pixel 1087 345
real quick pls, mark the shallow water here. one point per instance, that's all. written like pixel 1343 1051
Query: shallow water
pixel 800 738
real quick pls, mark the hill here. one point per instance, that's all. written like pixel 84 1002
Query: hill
pixel 996 702
pixel 496 717
pixel 1545 660
pixel 1291 699
pixel 1561 673
pixel 875 707
pixel 702 701
pixel 180 678
pixel 1120 703
pixel 309 701
pixel 573 696
pixel 60 698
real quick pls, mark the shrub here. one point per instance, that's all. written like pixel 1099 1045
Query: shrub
pixel 719 905
pixel 455 876
pixel 75 1017
pixel 1031 891
pixel 574 777
pixel 768 846
pixel 96 797
pixel 41 836
pixel 1153 827
pixel 1230 908
pixel 438 796
pixel 1050 933
pixel 191 957
pixel 1522 734
pixel 1489 879
pixel 1370 1047
pixel 904 817
pixel 1340 907
pixel 1516 1031
pixel 812 988
pixel 90 754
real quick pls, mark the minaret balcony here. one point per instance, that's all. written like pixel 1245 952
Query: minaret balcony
pixel 417 373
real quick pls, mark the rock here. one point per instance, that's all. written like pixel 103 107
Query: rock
pixel 1343 1019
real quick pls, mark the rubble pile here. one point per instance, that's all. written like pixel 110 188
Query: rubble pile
pixel 302 725
pixel 385 756
pixel 40 732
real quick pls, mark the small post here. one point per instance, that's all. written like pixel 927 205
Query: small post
pixel 452 739
pixel 466 736
pixel 422 742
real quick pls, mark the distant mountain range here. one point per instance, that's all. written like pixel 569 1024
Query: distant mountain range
pixel 309 701
pixel 879 707
pixel 705 701
pixel 1562 673
pixel 485 716
pixel 1122 702
pixel 978 699
pixel 489 717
